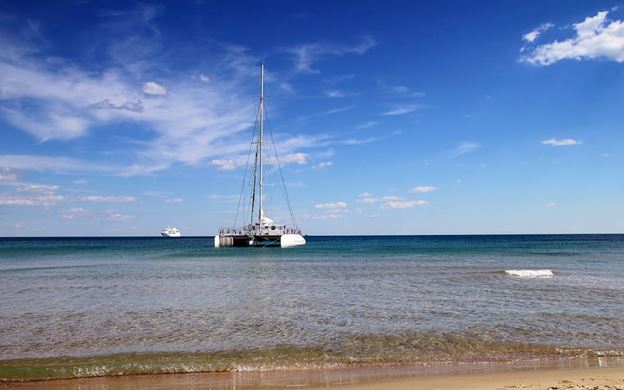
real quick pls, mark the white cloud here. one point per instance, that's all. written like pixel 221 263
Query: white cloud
pixel 174 200
pixel 6 175
pixel 153 88
pixel 463 148
pixel 533 35
pixel 403 204
pixel 294 158
pixel 204 78
pixel 551 204
pixel 54 99
pixel 423 189
pixel 107 199
pixel 335 93
pixel 327 215
pixel 308 54
pixel 331 206
pixel 596 37
pixel 337 110
pixel 360 141
pixel 224 165
pixel 367 125
pixel 38 188
pixel 367 198
pixel 286 87
pixel 38 200
pixel 49 163
pixel 323 165
pixel 76 212
pixel 404 109
pixel 400 90
pixel 561 142
pixel 224 198
pixel 118 217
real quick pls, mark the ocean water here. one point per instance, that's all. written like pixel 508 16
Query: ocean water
pixel 93 306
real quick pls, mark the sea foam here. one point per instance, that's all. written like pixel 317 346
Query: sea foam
pixel 530 273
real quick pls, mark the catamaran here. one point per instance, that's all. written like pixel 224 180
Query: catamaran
pixel 260 230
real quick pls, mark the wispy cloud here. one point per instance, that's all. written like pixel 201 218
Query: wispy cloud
pixel 46 195
pixel 367 125
pixel 187 120
pixel 403 204
pixel 77 213
pixel 118 217
pixel 308 54
pixel 224 165
pixel 402 91
pixel 6 175
pixel 153 88
pixel 332 206
pixel 37 188
pixel 107 199
pixel 323 165
pixel 335 93
pixel 423 189
pixel 561 142
pixel 360 141
pixel 36 200
pixel 550 205
pixel 337 110
pixel 367 198
pixel 595 37
pixel 174 200
pixel 52 163
pixel 463 148
pixel 404 109
pixel 535 33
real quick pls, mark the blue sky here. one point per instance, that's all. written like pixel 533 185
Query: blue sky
pixel 389 117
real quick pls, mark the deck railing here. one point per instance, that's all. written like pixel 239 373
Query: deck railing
pixel 255 230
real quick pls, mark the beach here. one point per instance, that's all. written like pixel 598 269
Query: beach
pixel 527 379
pixel 362 310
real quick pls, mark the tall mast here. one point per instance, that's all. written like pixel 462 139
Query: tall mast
pixel 260 139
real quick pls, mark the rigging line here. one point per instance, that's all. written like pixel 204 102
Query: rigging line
pixel 253 134
pixel 279 167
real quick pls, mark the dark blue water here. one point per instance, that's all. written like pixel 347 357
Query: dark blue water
pixel 98 296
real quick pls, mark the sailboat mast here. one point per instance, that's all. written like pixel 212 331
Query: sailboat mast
pixel 261 128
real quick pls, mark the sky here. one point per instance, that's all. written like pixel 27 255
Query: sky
pixel 393 117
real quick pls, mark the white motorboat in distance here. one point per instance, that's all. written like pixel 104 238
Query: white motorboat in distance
pixel 260 230
pixel 170 232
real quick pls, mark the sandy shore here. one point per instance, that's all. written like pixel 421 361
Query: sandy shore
pixel 529 379
pixel 560 379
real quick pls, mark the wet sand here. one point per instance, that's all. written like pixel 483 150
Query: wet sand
pixel 369 379
pixel 560 379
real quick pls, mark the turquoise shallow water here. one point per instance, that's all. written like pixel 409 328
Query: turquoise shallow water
pixel 350 296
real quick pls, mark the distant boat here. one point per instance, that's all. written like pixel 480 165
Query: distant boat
pixel 170 232
pixel 260 230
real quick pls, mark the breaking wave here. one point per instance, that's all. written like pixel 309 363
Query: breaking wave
pixel 530 273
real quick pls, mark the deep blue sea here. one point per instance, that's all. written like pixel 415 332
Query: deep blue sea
pixel 367 298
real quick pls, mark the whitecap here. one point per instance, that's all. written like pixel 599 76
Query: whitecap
pixel 530 273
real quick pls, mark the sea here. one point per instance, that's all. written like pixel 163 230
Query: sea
pixel 126 305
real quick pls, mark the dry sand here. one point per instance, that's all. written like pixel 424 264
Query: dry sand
pixel 559 379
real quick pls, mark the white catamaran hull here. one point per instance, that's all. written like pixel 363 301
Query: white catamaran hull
pixel 290 240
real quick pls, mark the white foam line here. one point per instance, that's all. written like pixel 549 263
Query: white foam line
pixel 530 273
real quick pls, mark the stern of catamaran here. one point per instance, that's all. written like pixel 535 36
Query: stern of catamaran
pixel 259 235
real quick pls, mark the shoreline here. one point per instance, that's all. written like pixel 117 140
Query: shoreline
pixel 475 375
